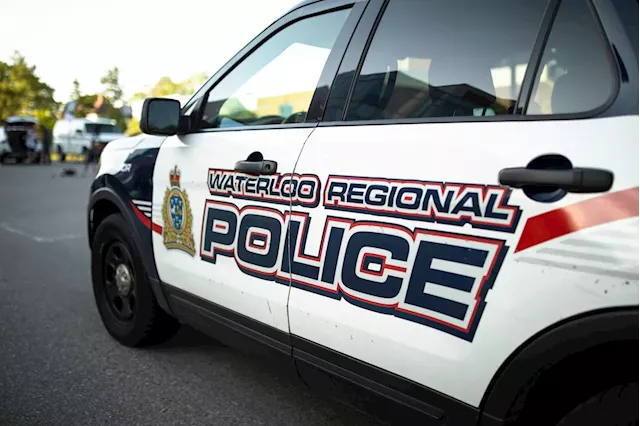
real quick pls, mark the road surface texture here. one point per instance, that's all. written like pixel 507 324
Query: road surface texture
pixel 58 365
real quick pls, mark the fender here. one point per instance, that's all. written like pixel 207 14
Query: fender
pixel 550 346
pixel 108 188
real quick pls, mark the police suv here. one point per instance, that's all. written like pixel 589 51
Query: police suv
pixel 427 209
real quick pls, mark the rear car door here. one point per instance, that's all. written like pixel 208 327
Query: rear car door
pixel 419 262
pixel 218 208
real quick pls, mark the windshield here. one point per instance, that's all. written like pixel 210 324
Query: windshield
pixel 18 127
pixel 101 128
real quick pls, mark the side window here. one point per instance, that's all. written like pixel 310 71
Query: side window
pixel 275 83
pixel 445 58
pixel 575 73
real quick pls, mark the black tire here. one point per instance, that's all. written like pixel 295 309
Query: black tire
pixel 617 406
pixel 148 323
pixel 61 155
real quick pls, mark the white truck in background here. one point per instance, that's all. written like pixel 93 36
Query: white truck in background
pixel 76 136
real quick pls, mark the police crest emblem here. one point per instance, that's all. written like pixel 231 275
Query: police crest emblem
pixel 176 214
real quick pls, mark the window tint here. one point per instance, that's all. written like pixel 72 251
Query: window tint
pixel 275 83
pixel 444 58
pixel 101 128
pixel 575 72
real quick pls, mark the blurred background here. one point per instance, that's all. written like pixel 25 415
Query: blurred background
pixel 94 59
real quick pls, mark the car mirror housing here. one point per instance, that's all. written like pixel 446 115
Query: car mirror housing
pixel 160 116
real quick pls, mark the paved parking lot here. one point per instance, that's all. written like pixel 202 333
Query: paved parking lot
pixel 60 367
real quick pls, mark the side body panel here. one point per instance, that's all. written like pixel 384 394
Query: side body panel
pixel 528 280
pixel 218 264
pixel 557 260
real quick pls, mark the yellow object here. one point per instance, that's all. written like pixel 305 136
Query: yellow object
pixel 69 157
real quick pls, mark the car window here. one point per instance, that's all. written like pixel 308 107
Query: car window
pixel 445 58
pixel 101 128
pixel 275 83
pixel 575 73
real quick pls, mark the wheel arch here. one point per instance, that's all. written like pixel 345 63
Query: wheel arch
pixel 541 361
pixel 104 201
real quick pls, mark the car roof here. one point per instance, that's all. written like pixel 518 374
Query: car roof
pixel 97 120
pixel 21 119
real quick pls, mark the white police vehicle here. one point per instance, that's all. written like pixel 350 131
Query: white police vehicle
pixel 428 209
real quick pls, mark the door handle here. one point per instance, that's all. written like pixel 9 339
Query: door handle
pixel 575 180
pixel 259 167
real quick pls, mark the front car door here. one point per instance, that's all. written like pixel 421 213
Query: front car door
pixel 223 190
pixel 418 262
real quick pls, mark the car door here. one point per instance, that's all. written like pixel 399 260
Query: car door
pixel 418 262
pixel 223 189
pixel 78 138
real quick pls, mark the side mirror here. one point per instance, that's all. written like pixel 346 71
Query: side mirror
pixel 160 116
pixel 78 132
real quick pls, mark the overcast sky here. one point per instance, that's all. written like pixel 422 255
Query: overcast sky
pixel 146 39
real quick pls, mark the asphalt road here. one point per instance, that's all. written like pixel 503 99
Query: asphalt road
pixel 58 365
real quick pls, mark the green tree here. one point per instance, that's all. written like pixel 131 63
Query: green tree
pixel 189 86
pixel 100 105
pixel 23 93
pixel 111 82
pixel 75 92
pixel 133 128
pixel 164 87
pixel 10 100
pixel 139 96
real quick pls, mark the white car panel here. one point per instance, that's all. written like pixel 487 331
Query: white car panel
pixel 221 282
pixel 534 288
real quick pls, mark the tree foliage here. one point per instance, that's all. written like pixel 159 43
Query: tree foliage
pixel 133 127
pixel 100 105
pixel 23 93
pixel 167 87
pixel 192 84
pixel 111 82
pixel 75 92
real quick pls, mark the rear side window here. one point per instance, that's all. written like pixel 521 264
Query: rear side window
pixel 446 58
pixel 575 73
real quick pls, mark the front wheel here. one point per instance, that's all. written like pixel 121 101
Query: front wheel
pixel 617 406
pixel 122 290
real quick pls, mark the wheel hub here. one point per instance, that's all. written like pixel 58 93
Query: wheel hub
pixel 123 280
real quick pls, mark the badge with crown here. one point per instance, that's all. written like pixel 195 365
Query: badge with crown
pixel 177 231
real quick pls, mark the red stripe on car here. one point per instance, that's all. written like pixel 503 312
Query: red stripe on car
pixel 576 217
pixel 145 220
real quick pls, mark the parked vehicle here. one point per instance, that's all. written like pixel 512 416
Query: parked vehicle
pixel 14 136
pixel 78 135
pixel 428 209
